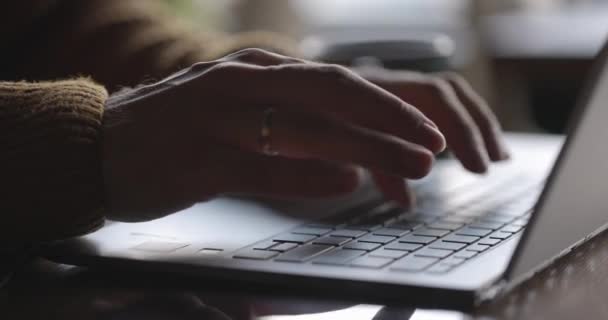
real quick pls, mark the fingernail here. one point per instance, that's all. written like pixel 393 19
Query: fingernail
pixel 431 123
pixel 483 162
pixel 439 144
pixel 504 152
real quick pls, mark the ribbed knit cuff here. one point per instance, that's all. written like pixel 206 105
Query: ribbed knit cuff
pixel 50 134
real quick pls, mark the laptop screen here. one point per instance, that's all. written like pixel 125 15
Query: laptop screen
pixel 574 203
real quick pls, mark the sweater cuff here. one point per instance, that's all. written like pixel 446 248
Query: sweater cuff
pixel 50 134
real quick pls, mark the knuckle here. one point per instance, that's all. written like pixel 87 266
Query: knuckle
pixel 440 85
pixel 334 72
pixel 252 54
pixel 452 76
pixel 434 86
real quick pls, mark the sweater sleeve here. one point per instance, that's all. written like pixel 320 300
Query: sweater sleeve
pixel 50 131
pixel 119 42
pixel 50 164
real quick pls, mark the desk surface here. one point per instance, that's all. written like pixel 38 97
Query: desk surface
pixel 576 286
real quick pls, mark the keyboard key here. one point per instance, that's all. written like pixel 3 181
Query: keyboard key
pixel 520 222
pixel 413 264
pixel 371 262
pixel 364 226
pixel 465 254
pixel 366 246
pixel 445 225
pixel 432 253
pixel 453 261
pixel 295 238
pixel 320 225
pixel 380 215
pixel 403 246
pixel 159 246
pixel 370 223
pixel 347 233
pixel 457 219
pixel 461 239
pixel 304 253
pixel 391 254
pixel 312 231
pixel 440 268
pixel 210 251
pixel 430 232
pixel 500 235
pixel 264 245
pixel 489 241
pixel 390 232
pixel 486 225
pixel 282 247
pixel 332 241
pixel 254 254
pixel 511 228
pixel 442 245
pixel 337 257
pixel 473 232
pixel 410 238
pixel 376 239
pixel 477 248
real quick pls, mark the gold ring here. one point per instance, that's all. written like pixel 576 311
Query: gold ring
pixel 266 133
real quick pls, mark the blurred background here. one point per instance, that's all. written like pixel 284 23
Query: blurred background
pixel 529 58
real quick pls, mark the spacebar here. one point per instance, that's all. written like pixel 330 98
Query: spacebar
pixel 303 253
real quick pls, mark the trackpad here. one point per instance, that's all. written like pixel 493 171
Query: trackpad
pixel 225 223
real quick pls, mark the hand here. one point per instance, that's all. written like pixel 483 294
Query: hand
pixel 472 131
pixel 195 135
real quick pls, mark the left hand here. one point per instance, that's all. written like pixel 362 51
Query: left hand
pixel 471 129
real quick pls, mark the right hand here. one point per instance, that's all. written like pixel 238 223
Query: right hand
pixel 194 135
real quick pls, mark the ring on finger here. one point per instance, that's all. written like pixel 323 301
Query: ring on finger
pixel 265 138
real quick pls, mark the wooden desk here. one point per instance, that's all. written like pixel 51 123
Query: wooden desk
pixel 574 287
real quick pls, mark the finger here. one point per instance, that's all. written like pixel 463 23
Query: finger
pixel 394 188
pixel 250 173
pixel 335 91
pixel 310 136
pixel 482 115
pixel 437 99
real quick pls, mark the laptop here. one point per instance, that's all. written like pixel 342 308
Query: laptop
pixel 468 239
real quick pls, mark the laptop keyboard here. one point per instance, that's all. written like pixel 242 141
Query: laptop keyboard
pixel 442 233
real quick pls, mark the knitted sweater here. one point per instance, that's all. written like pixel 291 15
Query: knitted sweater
pixel 50 129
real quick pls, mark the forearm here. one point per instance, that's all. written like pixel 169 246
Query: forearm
pixel 50 134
